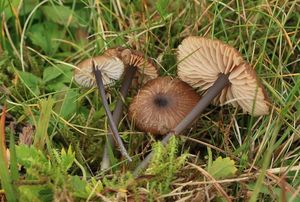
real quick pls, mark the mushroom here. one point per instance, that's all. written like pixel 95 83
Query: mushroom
pixel 136 65
pixel 161 104
pixel 145 67
pixel 111 68
pixel 202 61
pixel 106 70
pixel 218 68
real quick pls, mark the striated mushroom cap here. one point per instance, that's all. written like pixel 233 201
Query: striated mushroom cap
pixel 146 68
pixel 201 60
pixel 111 68
pixel 161 104
pixel 114 52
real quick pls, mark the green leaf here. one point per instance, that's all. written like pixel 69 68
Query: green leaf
pixel 66 105
pixel 43 35
pixel 78 186
pixel 67 73
pixel 61 15
pixel 34 161
pixel 69 104
pixel 31 81
pixel 222 168
pixel 165 164
pixel 56 86
pixel 36 193
pixel 67 159
pixel 50 73
pixel 55 77
pixel 30 156
pixel 26 7
pixel 60 72
pixel 162 6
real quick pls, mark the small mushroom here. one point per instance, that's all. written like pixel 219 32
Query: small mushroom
pixel 145 67
pixel 111 68
pixel 129 74
pixel 137 68
pixel 114 52
pixel 106 70
pixel 161 104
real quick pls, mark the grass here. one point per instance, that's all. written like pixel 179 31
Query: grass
pixel 42 41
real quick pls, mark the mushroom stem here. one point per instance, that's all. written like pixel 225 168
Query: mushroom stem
pixel 112 124
pixel 211 93
pixel 129 74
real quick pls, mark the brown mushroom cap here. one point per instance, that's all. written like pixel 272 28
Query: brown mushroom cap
pixel 146 68
pixel 161 104
pixel 201 60
pixel 111 69
pixel 145 65
pixel 114 52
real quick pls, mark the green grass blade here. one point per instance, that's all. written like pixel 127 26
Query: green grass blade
pixel 266 161
pixel 42 125
pixel 13 159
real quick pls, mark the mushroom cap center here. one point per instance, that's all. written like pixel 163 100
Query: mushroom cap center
pixel 161 104
pixel 161 101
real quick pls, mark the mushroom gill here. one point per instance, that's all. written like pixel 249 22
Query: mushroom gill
pixel 203 60
pixel 111 69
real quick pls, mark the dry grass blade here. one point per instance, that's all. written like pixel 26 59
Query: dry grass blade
pixel 215 183
pixel 2 136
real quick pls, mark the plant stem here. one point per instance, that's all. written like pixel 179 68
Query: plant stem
pixel 129 74
pixel 211 93
pixel 112 124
